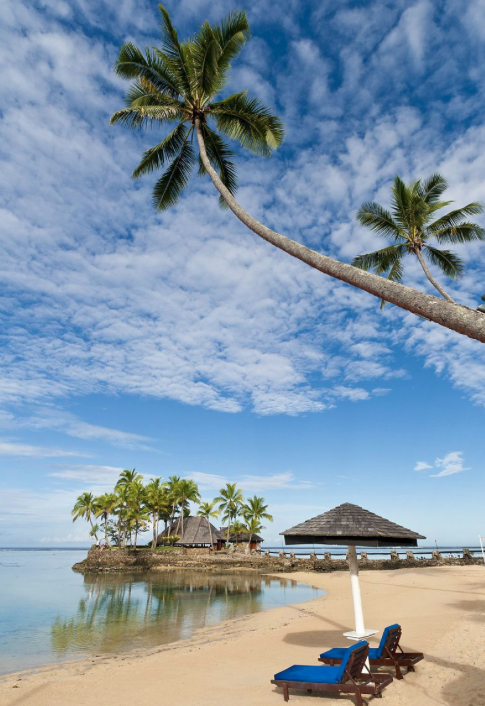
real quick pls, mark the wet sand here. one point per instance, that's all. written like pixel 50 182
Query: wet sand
pixel 441 610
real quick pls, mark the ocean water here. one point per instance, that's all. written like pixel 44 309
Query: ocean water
pixel 48 613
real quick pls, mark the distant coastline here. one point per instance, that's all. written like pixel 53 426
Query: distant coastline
pixel 44 549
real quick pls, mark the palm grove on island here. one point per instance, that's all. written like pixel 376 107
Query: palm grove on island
pixel 133 506
pixel 180 83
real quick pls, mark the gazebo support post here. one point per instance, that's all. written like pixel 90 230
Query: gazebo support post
pixel 356 597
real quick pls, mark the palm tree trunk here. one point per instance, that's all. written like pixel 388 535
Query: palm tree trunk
pixel 210 532
pixel 451 315
pixel 428 274
pixel 154 540
pixel 92 526
pixel 248 548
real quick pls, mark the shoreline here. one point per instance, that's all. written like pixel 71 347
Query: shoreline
pixel 118 561
pixel 431 605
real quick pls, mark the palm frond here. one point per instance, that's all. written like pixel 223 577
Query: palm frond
pixel 448 262
pixel 419 209
pixel 167 149
pixel 381 260
pixel 249 122
pixel 436 206
pixel 139 117
pixel 377 218
pixel 401 202
pixel 232 33
pixel 463 233
pixel 220 157
pixel 173 55
pixel 205 51
pixel 456 217
pixel 132 63
pixel 143 93
pixel 431 188
pixel 173 181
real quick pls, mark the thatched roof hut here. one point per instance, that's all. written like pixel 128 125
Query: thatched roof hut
pixel 351 524
pixel 241 537
pixel 196 533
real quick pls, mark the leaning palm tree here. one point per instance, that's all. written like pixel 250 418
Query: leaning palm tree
pixel 128 477
pixel 93 532
pixel 237 529
pixel 104 505
pixel 256 507
pixel 253 526
pixel 254 510
pixel 172 490
pixel 122 493
pixel 85 508
pixel 156 500
pixel 208 511
pixel 138 517
pixel 180 83
pixel 410 226
pixel 230 501
pixel 187 492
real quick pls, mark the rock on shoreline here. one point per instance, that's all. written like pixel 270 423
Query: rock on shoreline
pixel 99 560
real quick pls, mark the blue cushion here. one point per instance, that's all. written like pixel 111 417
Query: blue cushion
pixel 374 652
pixel 342 653
pixel 315 675
pixel 319 675
pixel 346 656
pixel 379 650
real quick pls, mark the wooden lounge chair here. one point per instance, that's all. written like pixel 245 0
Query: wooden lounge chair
pixel 388 654
pixel 346 678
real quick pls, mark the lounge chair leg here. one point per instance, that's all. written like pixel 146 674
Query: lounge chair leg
pixel 358 698
pixel 309 691
pixel 399 674
pixel 411 668
pixel 285 692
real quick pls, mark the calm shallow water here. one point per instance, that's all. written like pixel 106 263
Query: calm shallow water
pixel 49 614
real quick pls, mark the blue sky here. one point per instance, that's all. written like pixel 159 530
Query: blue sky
pixel 179 342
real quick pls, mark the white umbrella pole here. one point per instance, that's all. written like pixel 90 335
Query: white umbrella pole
pixel 357 600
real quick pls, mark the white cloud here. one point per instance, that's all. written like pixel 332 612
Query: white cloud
pixel 422 466
pixel 275 482
pixel 67 423
pixel 15 449
pixel 88 474
pixel 208 480
pixel 452 463
pixel 252 483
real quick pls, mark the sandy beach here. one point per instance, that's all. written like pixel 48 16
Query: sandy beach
pixel 441 610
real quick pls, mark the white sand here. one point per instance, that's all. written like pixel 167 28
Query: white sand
pixel 441 610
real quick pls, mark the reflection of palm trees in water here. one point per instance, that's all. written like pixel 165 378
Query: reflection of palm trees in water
pixel 122 613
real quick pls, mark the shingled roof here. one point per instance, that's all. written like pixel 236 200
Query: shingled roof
pixel 351 524
pixel 196 532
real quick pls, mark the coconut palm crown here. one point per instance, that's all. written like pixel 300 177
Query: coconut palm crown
pixel 411 224
pixel 179 83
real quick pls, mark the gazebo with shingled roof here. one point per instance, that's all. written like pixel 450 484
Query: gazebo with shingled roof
pixel 353 526
pixel 350 524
